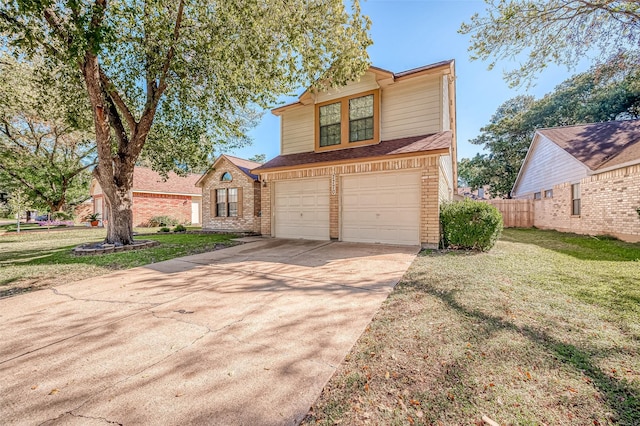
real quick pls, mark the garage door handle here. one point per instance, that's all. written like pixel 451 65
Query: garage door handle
pixel 300 214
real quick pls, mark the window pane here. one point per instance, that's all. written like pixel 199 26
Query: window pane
pixel 233 195
pixel 330 135
pixel 576 207
pixel 361 107
pixel 361 118
pixel 537 196
pixel 233 209
pixel 233 201
pixel 226 177
pixel 330 114
pixel 575 191
pixel 221 202
pixel 361 130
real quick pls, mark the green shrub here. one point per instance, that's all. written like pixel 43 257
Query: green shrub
pixel 164 229
pixel 179 228
pixel 470 225
pixel 162 221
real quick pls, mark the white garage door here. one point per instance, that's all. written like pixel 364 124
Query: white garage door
pixel 381 208
pixel 302 209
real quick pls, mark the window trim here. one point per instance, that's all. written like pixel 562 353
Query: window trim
pixel 537 196
pixel 344 121
pixel 227 203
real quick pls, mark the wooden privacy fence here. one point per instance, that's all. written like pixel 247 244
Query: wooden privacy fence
pixel 515 213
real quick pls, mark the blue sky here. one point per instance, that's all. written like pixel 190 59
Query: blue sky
pixel 411 33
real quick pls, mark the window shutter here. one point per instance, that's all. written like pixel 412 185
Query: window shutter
pixel 213 199
pixel 240 202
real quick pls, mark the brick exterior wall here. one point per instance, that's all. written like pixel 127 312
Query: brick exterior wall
pixel 429 220
pixel 249 220
pixel 146 206
pixel 608 206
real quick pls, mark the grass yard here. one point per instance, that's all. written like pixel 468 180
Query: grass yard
pixel 31 260
pixel 543 329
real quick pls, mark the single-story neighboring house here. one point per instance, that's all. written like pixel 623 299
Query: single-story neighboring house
pixel 230 196
pixel 177 197
pixel 368 162
pixel 585 179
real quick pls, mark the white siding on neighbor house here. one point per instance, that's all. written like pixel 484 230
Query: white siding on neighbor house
pixel 367 82
pixel 445 184
pixel 446 118
pixel 411 108
pixel 298 130
pixel 547 165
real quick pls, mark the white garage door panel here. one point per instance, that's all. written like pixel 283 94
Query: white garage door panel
pixel 302 209
pixel 381 208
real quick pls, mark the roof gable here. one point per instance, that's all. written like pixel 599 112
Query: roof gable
pixel 546 165
pixel 383 77
pixel 245 166
pixel 599 145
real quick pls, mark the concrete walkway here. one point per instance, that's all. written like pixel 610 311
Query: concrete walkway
pixel 243 336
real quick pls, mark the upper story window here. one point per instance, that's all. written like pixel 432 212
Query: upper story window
pixel 226 177
pixel 346 122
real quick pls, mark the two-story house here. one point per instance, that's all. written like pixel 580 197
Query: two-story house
pixel 368 162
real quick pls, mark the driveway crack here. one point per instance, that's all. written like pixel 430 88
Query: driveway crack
pixel 117 302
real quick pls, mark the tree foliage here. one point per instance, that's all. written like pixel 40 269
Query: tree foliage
pixel 603 93
pixel 170 80
pixel 259 158
pixel 553 31
pixel 43 155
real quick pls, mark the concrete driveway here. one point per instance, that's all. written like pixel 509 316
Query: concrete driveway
pixel 243 336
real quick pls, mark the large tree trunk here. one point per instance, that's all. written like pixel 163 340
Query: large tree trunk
pixel 117 191
pixel 119 216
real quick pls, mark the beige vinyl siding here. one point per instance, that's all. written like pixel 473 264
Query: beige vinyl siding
pixel 446 119
pixel 547 165
pixel 445 184
pixel 366 83
pixel 298 130
pixel 410 108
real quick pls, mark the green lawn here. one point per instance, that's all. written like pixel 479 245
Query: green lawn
pixel 543 329
pixel 31 260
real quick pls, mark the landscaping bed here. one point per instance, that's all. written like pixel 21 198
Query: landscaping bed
pixel 543 329
pixel 30 261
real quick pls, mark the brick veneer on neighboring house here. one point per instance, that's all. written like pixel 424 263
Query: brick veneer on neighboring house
pixel 147 206
pixel 608 206
pixel 152 195
pixel 248 219
pixel 602 160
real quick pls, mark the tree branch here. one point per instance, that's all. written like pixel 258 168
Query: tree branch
pixel 111 90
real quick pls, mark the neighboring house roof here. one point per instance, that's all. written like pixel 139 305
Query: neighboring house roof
pixel 245 166
pixel 410 146
pixel 599 145
pixel 147 180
